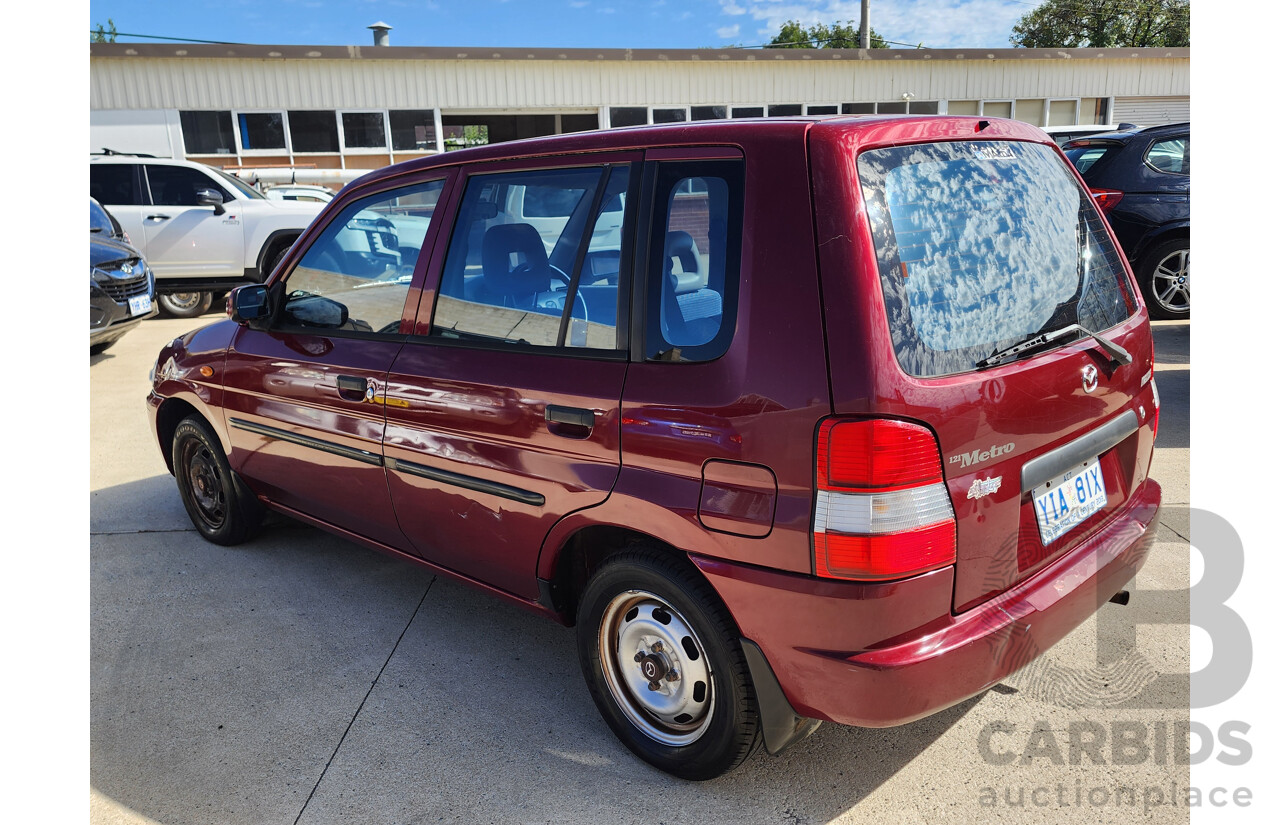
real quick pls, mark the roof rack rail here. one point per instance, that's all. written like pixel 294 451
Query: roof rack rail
pixel 106 151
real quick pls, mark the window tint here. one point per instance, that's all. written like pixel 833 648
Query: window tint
pixel 413 130
pixel 261 130
pixel 1085 157
pixel 693 265
pixel 1173 155
pixel 982 245
pixel 516 271
pixel 356 275
pixel 177 185
pixel 207 133
pixel 113 184
pixel 628 116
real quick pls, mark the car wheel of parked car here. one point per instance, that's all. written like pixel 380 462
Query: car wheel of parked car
pixel 185 304
pixel 663 662
pixel 222 509
pixel 1165 275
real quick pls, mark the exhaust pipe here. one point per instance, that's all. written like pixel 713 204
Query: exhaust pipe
pixel 1121 598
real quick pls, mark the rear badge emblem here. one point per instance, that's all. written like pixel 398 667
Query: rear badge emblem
pixel 1090 378
pixel 984 487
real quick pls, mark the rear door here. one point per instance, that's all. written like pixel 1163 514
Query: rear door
pixel 502 408
pixel 304 398
pixel 981 246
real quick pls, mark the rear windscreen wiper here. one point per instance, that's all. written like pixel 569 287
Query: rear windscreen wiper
pixel 1117 355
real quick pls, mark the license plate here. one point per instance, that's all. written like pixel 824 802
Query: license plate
pixel 1062 504
pixel 140 305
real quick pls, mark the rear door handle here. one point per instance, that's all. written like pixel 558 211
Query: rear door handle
pixel 354 388
pixel 570 422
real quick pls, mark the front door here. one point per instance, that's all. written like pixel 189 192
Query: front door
pixel 502 409
pixel 184 239
pixel 304 397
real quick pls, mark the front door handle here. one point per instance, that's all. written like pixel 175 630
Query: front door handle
pixel 157 217
pixel 570 422
pixel 354 388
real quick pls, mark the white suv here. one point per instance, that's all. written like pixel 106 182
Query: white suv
pixel 202 230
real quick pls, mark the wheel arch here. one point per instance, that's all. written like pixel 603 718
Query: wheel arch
pixel 171 413
pixel 1158 235
pixel 277 241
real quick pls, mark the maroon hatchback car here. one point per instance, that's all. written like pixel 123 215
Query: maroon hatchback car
pixel 799 419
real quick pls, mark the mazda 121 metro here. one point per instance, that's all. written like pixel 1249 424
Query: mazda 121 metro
pixel 795 420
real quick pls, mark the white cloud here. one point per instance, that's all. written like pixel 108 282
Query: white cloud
pixel 727 32
pixel 731 8
pixel 578 4
pixel 938 24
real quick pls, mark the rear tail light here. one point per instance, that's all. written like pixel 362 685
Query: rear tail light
pixel 1106 199
pixel 882 510
pixel 1155 401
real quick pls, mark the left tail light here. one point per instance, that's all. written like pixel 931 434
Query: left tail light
pixel 882 510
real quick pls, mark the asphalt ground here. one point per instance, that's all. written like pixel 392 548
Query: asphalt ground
pixel 300 678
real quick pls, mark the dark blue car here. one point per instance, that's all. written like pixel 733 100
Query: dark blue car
pixel 1141 179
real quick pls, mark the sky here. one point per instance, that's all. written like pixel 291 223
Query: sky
pixel 647 24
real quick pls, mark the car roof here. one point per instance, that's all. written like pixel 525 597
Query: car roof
pixel 1125 135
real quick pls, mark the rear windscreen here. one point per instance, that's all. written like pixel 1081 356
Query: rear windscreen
pixel 983 244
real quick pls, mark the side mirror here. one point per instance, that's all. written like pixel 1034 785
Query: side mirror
pixel 316 311
pixel 250 305
pixel 210 197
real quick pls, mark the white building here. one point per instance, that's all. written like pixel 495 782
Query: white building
pixel 353 107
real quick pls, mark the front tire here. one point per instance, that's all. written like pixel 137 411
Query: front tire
pixel 1165 276
pixel 221 508
pixel 185 304
pixel 662 659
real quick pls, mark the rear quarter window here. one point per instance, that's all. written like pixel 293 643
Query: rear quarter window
pixel 982 244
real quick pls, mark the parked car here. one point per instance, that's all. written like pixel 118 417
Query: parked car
pixel 1142 182
pixel 299 192
pixel 795 420
pixel 203 230
pixel 1065 134
pixel 122 288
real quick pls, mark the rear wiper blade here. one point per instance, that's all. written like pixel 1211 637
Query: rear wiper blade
pixel 1117 355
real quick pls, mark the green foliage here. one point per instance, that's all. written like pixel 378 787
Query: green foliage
pixel 838 35
pixel 101 35
pixel 1102 24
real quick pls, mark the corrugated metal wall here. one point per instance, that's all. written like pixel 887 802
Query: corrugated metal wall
pixel 1151 111
pixel 252 83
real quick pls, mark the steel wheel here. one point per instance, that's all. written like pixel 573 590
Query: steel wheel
pixel 656 668
pixel 220 506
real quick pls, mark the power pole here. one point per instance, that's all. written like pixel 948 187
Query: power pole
pixel 864 36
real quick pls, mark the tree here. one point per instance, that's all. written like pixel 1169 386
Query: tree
pixel 1101 24
pixel 102 35
pixel 838 35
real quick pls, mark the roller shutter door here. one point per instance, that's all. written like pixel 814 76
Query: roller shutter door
pixel 1151 111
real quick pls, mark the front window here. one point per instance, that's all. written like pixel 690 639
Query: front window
pixel 982 244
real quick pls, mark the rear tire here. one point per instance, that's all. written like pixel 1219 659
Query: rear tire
pixel 647 618
pixel 1165 276
pixel 185 304
pixel 220 506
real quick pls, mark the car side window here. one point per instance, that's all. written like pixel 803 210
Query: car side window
pixel 115 184
pixel 693 263
pixel 534 260
pixel 177 185
pixel 356 275
pixel 1172 156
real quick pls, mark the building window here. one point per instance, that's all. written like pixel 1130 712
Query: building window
pixel 1062 113
pixel 579 123
pixel 748 111
pixel 261 130
pixel 413 130
pixel 670 115
pixel 832 109
pixel 857 108
pixel 784 109
pixel 923 107
pixel 363 130
pixel 897 107
pixel 1030 111
pixel 628 116
pixel 208 133
pixel 313 131
pixel 963 107
pixel 997 108
pixel 709 112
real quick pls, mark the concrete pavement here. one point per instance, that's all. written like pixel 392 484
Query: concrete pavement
pixel 303 679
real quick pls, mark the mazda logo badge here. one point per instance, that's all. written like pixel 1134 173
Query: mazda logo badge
pixel 1090 378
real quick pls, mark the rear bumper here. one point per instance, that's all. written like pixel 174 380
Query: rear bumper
pixel 883 654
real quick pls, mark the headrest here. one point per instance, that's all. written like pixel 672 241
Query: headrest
pixel 514 260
